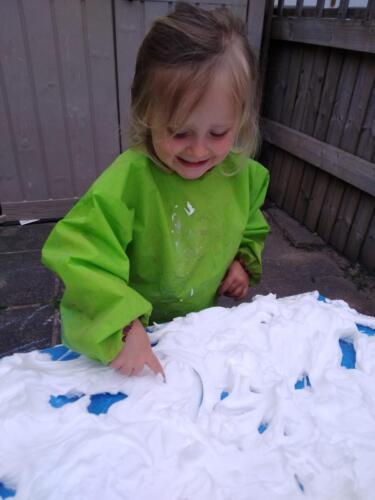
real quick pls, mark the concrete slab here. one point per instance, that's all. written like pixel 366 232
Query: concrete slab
pixel 25 329
pixel 23 280
pixel 290 270
pixel 298 235
pixel 24 238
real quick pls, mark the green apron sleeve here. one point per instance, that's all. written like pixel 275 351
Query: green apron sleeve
pixel 87 249
pixel 252 243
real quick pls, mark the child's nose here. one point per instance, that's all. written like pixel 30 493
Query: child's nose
pixel 198 149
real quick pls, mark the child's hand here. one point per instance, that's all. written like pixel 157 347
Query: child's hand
pixel 136 353
pixel 236 282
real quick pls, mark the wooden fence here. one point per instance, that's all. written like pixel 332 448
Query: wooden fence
pixel 65 72
pixel 319 121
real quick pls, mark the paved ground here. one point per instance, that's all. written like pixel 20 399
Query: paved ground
pixel 295 261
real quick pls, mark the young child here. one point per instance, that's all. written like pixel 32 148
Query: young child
pixel 176 219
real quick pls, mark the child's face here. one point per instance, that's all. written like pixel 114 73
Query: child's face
pixel 204 140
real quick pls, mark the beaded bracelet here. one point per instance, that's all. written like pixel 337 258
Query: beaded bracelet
pixel 241 261
pixel 126 330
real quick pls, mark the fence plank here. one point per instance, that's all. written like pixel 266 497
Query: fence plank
pixel 359 227
pixel 336 128
pixel 368 249
pixel 351 34
pixel 255 19
pixel 77 91
pixel 350 137
pixel 343 165
pixel 38 209
pixel 294 167
pixel 286 117
pixel 313 98
pixel 277 75
pixel 11 186
pixel 100 59
pixel 19 93
pixel 320 132
pixel 44 64
pixel 366 147
pixel 130 26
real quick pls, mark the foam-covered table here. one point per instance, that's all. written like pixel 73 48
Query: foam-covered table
pixel 269 400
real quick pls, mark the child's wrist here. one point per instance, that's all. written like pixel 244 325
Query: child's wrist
pixel 242 263
pixel 126 330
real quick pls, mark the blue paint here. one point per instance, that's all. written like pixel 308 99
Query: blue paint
pixel 224 395
pixel 348 354
pixel 6 492
pixel 366 329
pixel 61 400
pixel 302 383
pixel 300 485
pixel 100 403
pixel 262 427
pixel 321 298
pixel 61 353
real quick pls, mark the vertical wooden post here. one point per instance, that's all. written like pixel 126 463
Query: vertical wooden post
pixel 255 19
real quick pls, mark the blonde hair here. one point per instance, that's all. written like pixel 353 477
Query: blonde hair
pixel 176 62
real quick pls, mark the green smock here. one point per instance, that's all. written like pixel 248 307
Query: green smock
pixel 147 243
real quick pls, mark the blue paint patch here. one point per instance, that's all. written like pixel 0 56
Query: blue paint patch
pixel 366 329
pixel 348 354
pixel 300 485
pixel 61 400
pixel 321 298
pixel 100 403
pixel 302 383
pixel 61 353
pixel 6 492
pixel 224 395
pixel 263 427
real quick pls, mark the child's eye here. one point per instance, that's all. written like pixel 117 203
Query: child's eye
pixel 177 135
pixel 180 135
pixel 218 134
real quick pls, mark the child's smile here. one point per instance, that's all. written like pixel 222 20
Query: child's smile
pixel 206 137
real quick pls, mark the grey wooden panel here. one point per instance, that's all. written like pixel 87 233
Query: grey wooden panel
pixel 359 103
pixel 277 76
pixel 325 110
pixel 353 126
pixel 130 28
pixel 77 91
pixel 366 144
pixel 255 20
pixel 360 225
pixel 335 131
pixel 368 249
pixel 313 100
pixel 45 74
pixel 20 96
pixel 100 57
pixel 351 169
pixel 350 34
pixel 300 74
pixel 11 186
pixel 38 209
pixel 366 149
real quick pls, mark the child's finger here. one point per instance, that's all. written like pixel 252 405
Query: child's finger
pixel 225 285
pixel 156 367
pixel 237 291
